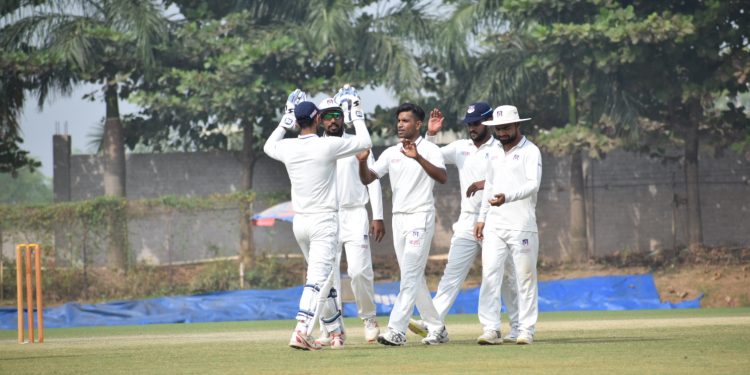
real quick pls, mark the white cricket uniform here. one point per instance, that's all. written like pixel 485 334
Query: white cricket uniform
pixel 413 227
pixel 471 163
pixel 511 229
pixel 311 162
pixel 354 228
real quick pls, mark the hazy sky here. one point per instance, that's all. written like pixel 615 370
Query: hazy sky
pixel 82 117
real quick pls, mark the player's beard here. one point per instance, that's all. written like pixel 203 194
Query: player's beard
pixel 336 133
pixel 508 140
pixel 479 136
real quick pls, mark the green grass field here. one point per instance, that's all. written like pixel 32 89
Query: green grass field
pixel 701 341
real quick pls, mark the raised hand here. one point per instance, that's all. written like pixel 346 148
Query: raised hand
pixel 362 156
pixel 435 122
pixel 295 97
pixel 409 149
pixel 348 99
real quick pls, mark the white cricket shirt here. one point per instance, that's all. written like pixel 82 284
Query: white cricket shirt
pixel 516 173
pixel 411 185
pixel 471 163
pixel 351 191
pixel 310 162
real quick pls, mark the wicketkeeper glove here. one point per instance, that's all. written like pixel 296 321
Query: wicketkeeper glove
pixel 288 121
pixel 350 103
pixel 297 96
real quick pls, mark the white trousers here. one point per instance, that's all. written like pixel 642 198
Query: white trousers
pixel 412 237
pixel 523 250
pixel 354 239
pixel 464 248
pixel 317 236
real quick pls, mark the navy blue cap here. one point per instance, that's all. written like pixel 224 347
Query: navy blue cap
pixel 478 112
pixel 305 110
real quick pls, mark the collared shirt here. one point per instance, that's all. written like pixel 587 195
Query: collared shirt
pixel 471 162
pixel 310 162
pixel 516 173
pixel 351 191
pixel 411 185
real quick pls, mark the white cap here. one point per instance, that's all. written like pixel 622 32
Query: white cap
pixel 328 105
pixel 504 114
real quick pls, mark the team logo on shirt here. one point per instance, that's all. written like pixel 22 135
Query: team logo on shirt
pixel 465 153
pixel 516 157
pixel 525 242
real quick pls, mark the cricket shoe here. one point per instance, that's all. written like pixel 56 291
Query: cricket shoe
pixel 337 340
pixel 372 329
pixel 525 338
pixel 325 339
pixel 511 337
pixel 392 338
pixel 490 337
pixel 436 337
pixel 302 341
pixel 418 327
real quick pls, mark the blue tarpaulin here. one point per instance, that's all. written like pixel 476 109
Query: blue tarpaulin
pixel 627 292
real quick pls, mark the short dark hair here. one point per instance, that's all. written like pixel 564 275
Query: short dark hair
pixel 413 108
pixel 305 122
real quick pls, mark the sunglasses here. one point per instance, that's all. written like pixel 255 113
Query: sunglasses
pixel 331 115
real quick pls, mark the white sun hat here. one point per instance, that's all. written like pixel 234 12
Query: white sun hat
pixel 504 114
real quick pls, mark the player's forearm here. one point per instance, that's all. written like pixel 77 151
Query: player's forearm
pixel 365 174
pixel 376 199
pixel 436 173
pixel 362 134
pixel 270 147
pixel 485 205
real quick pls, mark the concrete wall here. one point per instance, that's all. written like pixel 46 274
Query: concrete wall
pixel 633 202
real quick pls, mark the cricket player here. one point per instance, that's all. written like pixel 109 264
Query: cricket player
pixel 414 165
pixel 507 224
pixel 354 229
pixel 310 162
pixel 470 157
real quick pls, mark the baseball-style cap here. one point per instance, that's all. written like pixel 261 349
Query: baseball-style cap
pixel 305 110
pixel 505 114
pixel 477 112
pixel 328 105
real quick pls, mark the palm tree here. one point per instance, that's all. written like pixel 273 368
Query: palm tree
pixel 104 41
pixel 110 42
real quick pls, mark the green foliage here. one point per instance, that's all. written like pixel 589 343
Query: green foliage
pixel 26 187
pixel 565 140
pixel 273 273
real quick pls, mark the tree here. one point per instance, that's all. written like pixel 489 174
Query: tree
pixel 563 60
pixel 233 66
pixel 108 42
pixel 26 187
pixel 680 93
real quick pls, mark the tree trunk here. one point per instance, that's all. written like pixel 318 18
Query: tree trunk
pixel 578 240
pixel 114 146
pixel 695 226
pixel 114 179
pixel 246 255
